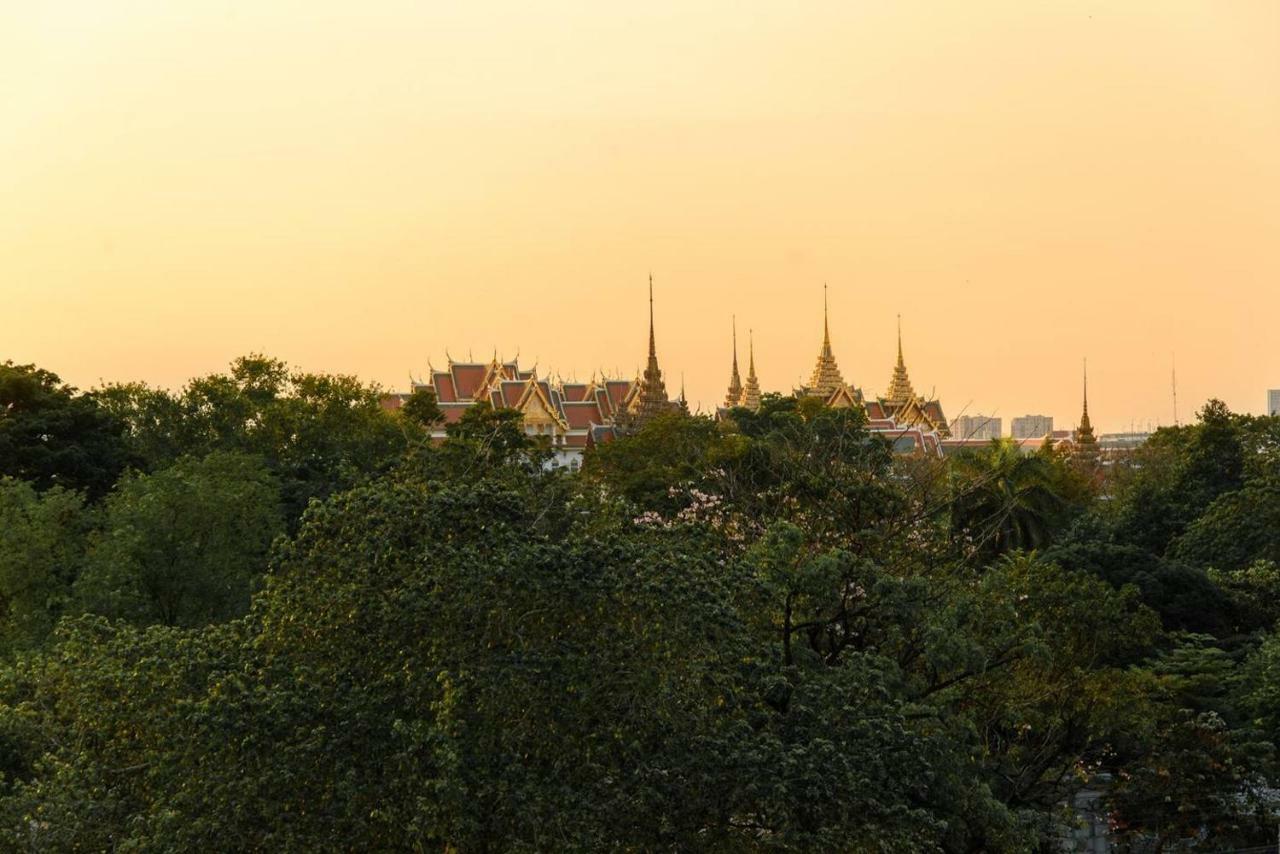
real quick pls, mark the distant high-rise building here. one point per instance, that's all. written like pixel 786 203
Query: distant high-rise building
pixel 1031 426
pixel 977 427
pixel 1273 401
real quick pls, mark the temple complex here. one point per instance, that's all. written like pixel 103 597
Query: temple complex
pixel 571 415
pixel 912 423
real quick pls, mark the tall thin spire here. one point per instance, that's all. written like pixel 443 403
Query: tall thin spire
pixel 751 391
pixel 652 398
pixel 734 393
pixel 826 379
pixel 900 391
pixel 653 350
pixel 1086 443
pixel 826 329
pixel 1084 417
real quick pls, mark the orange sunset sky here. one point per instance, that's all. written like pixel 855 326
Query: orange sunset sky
pixel 357 186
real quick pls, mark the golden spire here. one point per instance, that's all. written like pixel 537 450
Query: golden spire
pixel 1086 444
pixel 735 382
pixel 826 379
pixel 750 398
pixel 652 398
pixel 900 391
pixel 653 350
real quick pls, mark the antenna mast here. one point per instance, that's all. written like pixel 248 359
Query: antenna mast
pixel 1174 380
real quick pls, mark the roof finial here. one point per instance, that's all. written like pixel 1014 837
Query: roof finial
pixel 1086 386
pixel 735 342
pixel 653 350
pixel 826 332
pixel 900 361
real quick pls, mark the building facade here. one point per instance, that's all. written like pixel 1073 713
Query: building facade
pixel 1273 401
pixel 1031 426
pixel 982 428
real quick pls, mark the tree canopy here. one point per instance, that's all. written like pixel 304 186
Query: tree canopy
pixel 289 619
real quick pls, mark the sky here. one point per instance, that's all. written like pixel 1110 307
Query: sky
pixel 370 187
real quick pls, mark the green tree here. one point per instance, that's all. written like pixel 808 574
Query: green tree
pixel 42 542
pixel 1005 500
pixel 318 433
pixel 182 545
pixel 52 435
pixel 422 408
pixel 1235 530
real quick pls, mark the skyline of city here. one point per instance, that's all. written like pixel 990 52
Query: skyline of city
pixel 1026 184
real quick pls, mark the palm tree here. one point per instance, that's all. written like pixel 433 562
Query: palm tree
pixel 1004 499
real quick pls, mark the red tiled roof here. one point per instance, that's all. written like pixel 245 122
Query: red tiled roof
pixel 467 379
pixel 606 405
pixel 574 392
pixel 582 414
pixel 453 411
pixel 875 410
pixel 617 391
pixel 511 392
pixel 445 392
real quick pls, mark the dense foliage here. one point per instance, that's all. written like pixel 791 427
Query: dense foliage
pixel 265 614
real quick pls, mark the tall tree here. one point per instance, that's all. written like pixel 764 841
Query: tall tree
pixel 42 543
pixel 52 435
pixel 182 545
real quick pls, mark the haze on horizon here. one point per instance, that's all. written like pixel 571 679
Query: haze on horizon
pixel 357 187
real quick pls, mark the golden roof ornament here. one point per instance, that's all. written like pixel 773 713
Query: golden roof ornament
pixel 1086 444
pixel 900 391
pixel 750 397
pixel 826 379
pixel 734 393
pixel 652 398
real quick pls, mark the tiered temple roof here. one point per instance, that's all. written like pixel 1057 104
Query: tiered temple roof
pixel 572 415
pixel 826 381
pixel 900 390
pixel 903 404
